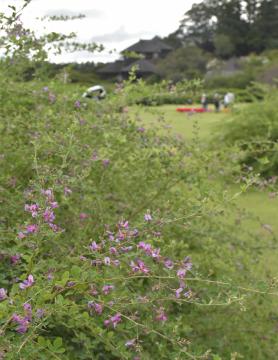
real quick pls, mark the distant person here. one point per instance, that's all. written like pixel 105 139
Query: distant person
pixel 204 102
pixel 216 101
pixel 229 98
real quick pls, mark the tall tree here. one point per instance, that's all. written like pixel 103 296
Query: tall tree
pixel 232 27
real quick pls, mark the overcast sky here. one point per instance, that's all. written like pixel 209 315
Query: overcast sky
pixel 114 23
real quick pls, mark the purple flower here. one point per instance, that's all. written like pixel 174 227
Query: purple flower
pixel 28 311
pixel 98 308
pixel 114 320
pixel 83 216
pixel 146 247
pixel 187 263
pixel 155 253
pixel 21 235
pixel 107 289
pixel 49 216
pixel 27 307
pixel 3 294
pixel 188 294
pixel 32 228
pixel 105 162
pixel 49 194
pixel 139 266
pixel 130 343
pixel 124 224
pixel 168 264
pixel 67 191
pixel 126 249
pixel 33 209
pixel 141 129
pixel 94 246
pixel 45 89
pixel 14 259
pixel 116 262
pixel 40 313
pixel 113 251
pixel 106 323
pixel 107 260
pixel 53 204
pixel 148 217
pixel 178 292
pixel 82 121
pixel 77 104
pixel 23 323
pixel 161 316
pixel 27 283
pixel 181 273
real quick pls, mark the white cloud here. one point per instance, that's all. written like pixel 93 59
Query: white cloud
pixel 115 23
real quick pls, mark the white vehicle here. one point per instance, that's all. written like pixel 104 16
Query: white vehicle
pixel 96 92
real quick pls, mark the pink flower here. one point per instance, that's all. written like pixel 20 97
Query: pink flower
pixel 33 209
pixel 107 289
pixel 161 316
pixel 124 224
pixel 49 216
pixel 21 235
pixel 115 320
pixel 106 323
pixel 83 216
pixel 27 283
pixel 32 228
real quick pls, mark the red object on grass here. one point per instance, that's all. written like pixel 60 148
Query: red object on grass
pixel 197 110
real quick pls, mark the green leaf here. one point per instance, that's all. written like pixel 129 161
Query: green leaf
pixel 58 342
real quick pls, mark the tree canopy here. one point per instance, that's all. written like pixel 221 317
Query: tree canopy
pixel 232 27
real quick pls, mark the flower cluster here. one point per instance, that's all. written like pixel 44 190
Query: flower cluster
pixel 27 283
pixel 23 322
pixel 45 214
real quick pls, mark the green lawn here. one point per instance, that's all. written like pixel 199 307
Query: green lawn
pixel 263 208
pixel 183 123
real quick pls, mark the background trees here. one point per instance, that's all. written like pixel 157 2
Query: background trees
pixel 232 27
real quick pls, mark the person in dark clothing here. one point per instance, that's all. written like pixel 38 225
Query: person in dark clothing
pixel 216 100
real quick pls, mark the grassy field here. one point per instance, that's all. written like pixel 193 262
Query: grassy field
pixel 184 123
pixel 263 208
